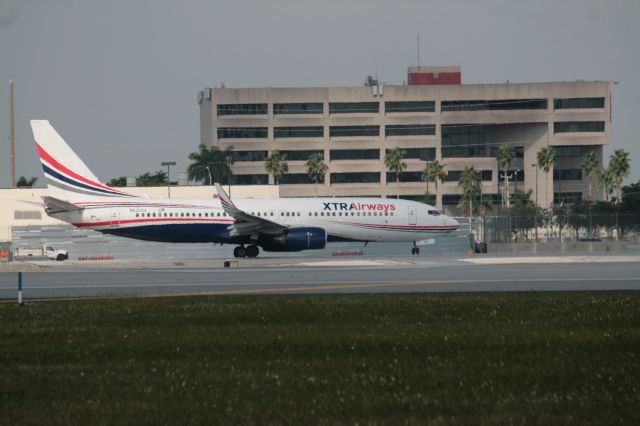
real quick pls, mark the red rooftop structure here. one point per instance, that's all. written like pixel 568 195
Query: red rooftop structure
pixel 434 75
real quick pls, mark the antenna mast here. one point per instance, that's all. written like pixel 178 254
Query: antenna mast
pixel 12 155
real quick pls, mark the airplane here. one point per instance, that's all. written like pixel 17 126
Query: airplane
pixel 78 197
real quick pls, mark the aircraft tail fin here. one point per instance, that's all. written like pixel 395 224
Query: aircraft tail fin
pixel 68 178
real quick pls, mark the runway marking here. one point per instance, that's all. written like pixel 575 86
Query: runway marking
pixel 551 260
pixel 323 285
pixel 337 286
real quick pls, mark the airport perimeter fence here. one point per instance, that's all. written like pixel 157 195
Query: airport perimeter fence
pixel 562 227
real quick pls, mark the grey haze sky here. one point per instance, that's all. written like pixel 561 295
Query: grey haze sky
pixel 118 79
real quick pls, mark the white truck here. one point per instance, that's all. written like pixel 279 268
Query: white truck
pixel 45 250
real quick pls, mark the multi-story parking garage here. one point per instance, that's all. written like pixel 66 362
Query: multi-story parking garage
pixel 434 118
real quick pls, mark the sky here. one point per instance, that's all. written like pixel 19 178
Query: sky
pixel 118 79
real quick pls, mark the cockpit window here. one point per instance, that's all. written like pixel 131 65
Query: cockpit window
pixel 434 212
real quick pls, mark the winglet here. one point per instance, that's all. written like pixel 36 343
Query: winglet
pixel 224 198
pixel 245 223
pixel 226 202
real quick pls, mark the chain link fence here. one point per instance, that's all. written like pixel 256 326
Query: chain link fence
pixel 560 227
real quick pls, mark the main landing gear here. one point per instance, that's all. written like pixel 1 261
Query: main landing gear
pixel 249 251
pixel 415 249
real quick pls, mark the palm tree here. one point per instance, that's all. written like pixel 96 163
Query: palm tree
pixel 316 168
pixel 434 171
pixel 619 164
pixel 393 161
pixel 213 160
pixel 469 182
pixel 605 181
pixel 546 157
pixel 26 183
pixel 276 165
pixel 506 153
pixel 590 166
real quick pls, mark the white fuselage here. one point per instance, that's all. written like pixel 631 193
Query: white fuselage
pixel 359 219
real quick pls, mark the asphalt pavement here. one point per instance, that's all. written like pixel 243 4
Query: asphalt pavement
pixel 325 276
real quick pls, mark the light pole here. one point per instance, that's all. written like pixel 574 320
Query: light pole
pixel 228 163
pixel 168 164
pixel 209 171
pixel 535 165
pixel 515 182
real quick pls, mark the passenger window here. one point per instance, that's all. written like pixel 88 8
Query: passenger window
pixel 298 213
pixel 353 214
pixel 136 214
pixel 281 213
pixel 315 214
pixel 321 213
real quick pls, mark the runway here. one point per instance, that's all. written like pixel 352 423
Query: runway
pixel 326 276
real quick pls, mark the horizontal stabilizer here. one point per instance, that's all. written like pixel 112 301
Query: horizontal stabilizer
pixel 55 205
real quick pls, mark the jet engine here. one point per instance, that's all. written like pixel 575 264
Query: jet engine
pixel 294 239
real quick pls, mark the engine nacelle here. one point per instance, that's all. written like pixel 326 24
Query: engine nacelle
pixel 294 239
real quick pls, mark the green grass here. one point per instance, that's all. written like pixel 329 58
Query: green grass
pixel 385 359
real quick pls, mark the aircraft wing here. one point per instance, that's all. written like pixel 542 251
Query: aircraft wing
pixel 55 205
pixel 246 223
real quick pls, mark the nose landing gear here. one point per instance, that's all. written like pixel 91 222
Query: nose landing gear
pixel 250 251
pixel 415 250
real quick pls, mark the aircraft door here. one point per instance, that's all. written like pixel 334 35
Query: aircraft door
pixel 412 216
pixel 114 220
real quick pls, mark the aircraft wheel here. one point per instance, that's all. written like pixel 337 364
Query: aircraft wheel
pixel 413 250
pixel 240 251
pixel 253 250
pixel 417 250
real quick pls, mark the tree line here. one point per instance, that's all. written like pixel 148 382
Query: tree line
pixel 212 164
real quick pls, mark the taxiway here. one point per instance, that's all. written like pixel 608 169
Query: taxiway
pixel 328 276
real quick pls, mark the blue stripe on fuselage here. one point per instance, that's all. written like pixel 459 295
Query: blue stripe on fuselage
pixel 180 233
